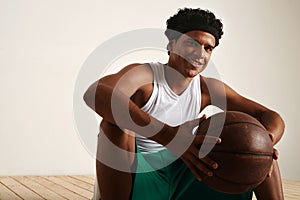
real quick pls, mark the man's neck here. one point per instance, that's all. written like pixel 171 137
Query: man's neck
pixel 176 81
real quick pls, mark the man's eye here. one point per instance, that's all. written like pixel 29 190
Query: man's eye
pixel 209 48
pixel 191 43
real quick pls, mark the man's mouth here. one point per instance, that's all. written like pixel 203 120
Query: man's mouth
pixel 196 62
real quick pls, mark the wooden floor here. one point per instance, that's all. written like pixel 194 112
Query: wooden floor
pixel 46 187
pixel 76 187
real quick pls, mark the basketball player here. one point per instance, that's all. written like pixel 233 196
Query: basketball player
pixel 146 107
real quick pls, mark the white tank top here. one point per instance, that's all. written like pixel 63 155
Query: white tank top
pixel 168 107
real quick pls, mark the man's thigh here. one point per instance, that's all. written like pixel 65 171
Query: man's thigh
pixel 175 182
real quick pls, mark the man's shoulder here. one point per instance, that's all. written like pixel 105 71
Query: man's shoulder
pixel 135 73
pixel 137 66
pixel 212 85
pixel 209 80
pixel 144 76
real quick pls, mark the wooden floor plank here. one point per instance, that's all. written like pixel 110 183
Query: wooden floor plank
pixel 20 189
pixel 59 189
pixel 6 193
pixel 38 188
pixel 79 183
pixel 78 190
pixel 87 179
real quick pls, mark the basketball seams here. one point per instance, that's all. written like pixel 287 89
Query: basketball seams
pixel 218 128
pixel 252 123
pixel 243 153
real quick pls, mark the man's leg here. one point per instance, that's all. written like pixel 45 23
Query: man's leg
pixel 114 184
pixel 271 188
pixel 188 188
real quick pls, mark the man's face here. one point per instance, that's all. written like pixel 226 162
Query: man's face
pixel 191 52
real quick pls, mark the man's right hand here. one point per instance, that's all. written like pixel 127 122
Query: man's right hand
pixel 200 166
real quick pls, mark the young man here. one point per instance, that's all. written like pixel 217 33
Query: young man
pixel 152 109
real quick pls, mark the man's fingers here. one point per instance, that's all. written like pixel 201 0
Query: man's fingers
pixel 209 162
pixel 201 167
pixel 206 160
pixel 197 174
pixel 271 135
pixel 275 154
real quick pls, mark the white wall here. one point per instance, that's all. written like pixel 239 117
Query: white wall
pixel 43 45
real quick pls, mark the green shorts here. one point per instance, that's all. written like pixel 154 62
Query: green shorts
pixel 173 182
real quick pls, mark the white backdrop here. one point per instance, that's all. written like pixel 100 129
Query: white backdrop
pixel 43 45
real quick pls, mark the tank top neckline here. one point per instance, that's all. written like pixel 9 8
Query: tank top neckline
pixel 170 91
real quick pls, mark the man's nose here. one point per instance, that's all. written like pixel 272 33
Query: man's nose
pixel 200 51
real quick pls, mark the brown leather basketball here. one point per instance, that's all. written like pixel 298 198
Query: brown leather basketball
pixel 244 156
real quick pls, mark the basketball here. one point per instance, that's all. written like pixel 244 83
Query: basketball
pixel 244 155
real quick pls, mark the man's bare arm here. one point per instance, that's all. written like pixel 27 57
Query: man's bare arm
pixel 110 98
pixel 235 102
pixel 113 93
